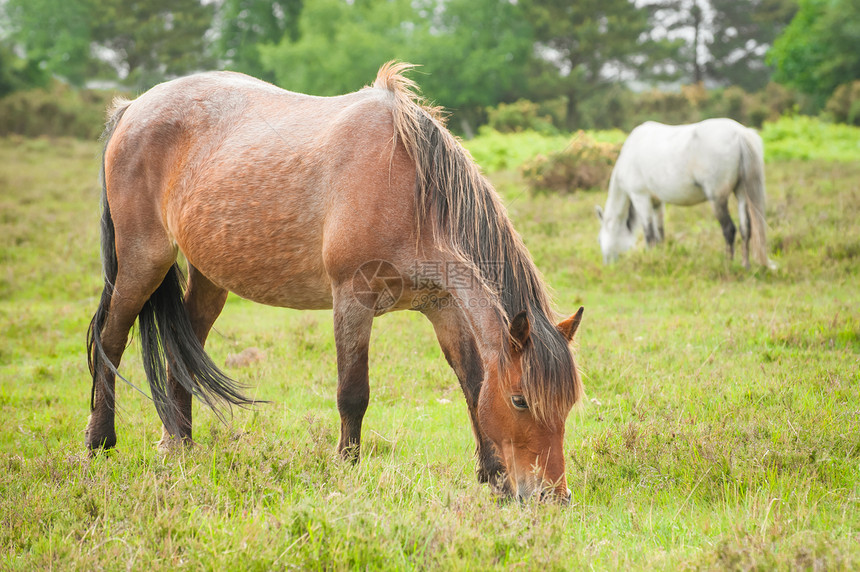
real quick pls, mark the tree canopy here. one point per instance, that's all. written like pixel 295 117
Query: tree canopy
pixel 820 49
pixel 473 54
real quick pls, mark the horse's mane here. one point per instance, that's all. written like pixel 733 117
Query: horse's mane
pixel 468 219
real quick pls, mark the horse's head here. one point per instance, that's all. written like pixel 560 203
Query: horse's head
pixel 616 234
pixel 528 440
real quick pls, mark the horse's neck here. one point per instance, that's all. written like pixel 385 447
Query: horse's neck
pixel 617 202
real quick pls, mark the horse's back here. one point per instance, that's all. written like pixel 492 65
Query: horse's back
pixel 680 164
pixel 247 180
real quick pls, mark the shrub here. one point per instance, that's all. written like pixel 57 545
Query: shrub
pixel 58 110
pixel 844 104
pixel 584 164
pixel 522 115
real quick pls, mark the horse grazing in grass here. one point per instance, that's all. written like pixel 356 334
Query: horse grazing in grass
pixel 363 203
pixel 686 165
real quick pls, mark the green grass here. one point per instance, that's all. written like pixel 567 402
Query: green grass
pixel 721 428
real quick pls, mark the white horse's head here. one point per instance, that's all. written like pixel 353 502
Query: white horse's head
pixel 616 234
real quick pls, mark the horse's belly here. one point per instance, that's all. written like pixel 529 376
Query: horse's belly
pixel 684 193
pixel 284 279
pixel 261 250
pixel 686 196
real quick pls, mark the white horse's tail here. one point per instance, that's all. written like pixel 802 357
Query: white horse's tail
pixel 751 182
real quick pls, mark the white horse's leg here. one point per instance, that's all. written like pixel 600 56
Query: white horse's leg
pixel 645 212
pixel 744 223
pixel 659 212
pixel 721 211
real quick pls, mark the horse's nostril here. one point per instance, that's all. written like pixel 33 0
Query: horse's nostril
pixel 566 499
pixel 550 495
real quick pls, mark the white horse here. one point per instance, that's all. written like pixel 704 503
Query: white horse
pixel 686 165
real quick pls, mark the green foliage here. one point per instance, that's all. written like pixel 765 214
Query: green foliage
pixel 154 39
pixel 806 138
pixel 495 151
pixel 54 34
pixel 584 164
pixel 818 51
pixel 139 42
pixel 341 45
pixel 787 138
pixel 474 53
pixel 18 73
pixel 246 24
pixel 587 38
pixel 721 41
pixel 719 431
pixel 742 32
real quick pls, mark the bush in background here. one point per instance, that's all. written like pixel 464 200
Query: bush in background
pixel 584 164
pixel 58 110
pixel 522 115
pixel 844 105
pixel 622 108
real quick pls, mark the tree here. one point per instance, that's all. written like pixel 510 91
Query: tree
pixel 140 41
pixel 474 54
pixel 818 51
pixel 150 40
pixel 725 41
pixel 245 24
pixel 17 73
pixel 471 52
pixel 53 36
pixel 742 34
pixel 684 21
pixel 591 44
pixel 341 45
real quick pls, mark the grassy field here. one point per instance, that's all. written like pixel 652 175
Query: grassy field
pixel 721 428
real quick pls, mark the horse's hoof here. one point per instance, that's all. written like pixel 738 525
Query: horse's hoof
pixel 96 441
pixel 170 443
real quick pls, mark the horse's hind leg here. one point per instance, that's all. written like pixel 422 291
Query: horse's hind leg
pixel 204 302
pixel 132 288
pixel 744 224
pixel 459 348
pixel 352 325
pixel 721 211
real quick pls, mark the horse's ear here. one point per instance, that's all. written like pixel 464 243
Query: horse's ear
pixel 568 327
pixel 599 212
pixel 520 329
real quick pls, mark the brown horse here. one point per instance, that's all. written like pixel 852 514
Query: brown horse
pixel 363 203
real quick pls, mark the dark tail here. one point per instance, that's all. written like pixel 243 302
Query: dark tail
pixel 166 334
pixel 168 340
pixel 752 185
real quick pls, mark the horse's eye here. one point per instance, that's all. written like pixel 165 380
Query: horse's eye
pixel 519 402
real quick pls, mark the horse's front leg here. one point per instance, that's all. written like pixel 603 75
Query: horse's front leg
pixel 458 345
pixel 352 325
